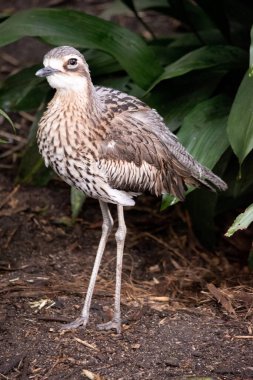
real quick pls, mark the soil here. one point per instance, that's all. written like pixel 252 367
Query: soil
pixel 173 326
pixel 187 312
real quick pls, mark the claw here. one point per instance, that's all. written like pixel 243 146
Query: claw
pixel 81 321
pixel 111 325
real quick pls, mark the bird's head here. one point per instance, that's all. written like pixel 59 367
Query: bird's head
pixel 65 68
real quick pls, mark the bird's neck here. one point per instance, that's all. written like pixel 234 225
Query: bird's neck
pixel 82 101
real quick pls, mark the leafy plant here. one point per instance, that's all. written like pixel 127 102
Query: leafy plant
pixel 196 78
pixel 4 114
pixel 242 221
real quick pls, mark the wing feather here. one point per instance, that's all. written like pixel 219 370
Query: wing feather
pixel 140 154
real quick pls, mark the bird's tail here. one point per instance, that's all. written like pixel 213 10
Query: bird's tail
pixel 205 177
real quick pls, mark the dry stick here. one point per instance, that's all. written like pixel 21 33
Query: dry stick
pixel 9 196
pixel 53 319
pixel 51 369
pixel 86 344
pixel 9 238
pixel 10 59
pixel 13 150
pixel 243 337
pixel 3 377
pixel 12 136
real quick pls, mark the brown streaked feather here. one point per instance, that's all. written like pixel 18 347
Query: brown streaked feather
pixel 132 146
pixel 138 135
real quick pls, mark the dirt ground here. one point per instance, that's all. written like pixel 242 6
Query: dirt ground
pixel 174 327
pixel 187 312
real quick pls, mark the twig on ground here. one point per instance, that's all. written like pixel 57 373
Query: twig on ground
pixel 6 200
pixel 86 344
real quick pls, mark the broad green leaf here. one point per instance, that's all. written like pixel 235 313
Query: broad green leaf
pixel 175 102
pixel 23 91
pixel 207 57
pixel 32 169
pixel 242 221
pixel 239 185
pixel 190 14
pixel 101 63
pixel 69 27
pixel 77 199
pixel 203 132
pixel 211 37
pixel 167 201
pixel 251 52
pixel 240 122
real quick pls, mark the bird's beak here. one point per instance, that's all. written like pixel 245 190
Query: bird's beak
pixel 46 71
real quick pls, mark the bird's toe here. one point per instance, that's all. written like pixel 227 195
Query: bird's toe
pixel 111 325
pixel 81 321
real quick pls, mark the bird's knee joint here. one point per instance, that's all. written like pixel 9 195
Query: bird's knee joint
pixel 107 226
pixel 121 234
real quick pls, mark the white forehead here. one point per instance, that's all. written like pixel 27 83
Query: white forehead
pixel 57 63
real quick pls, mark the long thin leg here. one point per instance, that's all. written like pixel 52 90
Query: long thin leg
pixel 120 239
pixel 106 229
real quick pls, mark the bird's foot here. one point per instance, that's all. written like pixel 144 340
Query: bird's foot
pixel 81 321
pixel 114 324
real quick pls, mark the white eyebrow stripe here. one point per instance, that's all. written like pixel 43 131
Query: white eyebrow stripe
pixel 55 63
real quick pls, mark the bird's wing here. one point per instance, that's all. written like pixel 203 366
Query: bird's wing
pixel 136 159
pixel 139 138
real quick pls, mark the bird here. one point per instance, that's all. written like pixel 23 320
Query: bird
pixel 113 147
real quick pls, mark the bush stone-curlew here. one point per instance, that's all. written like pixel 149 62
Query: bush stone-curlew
pixel 113 147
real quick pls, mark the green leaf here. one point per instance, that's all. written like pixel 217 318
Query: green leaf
pixel 7 117
pixel 211 37
pixel 251 51
pixel 240 122
pixel 190 14
pixel 203 132
pixel 183 95
pixel 69 27
pixel 4 114
pixel 32 169
pixel 77 199
pixel 23 91
pixel 250 259
pixel 167 201
pixel 207 57
pixel 238 185
pixel 101 63
pixel 242 221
